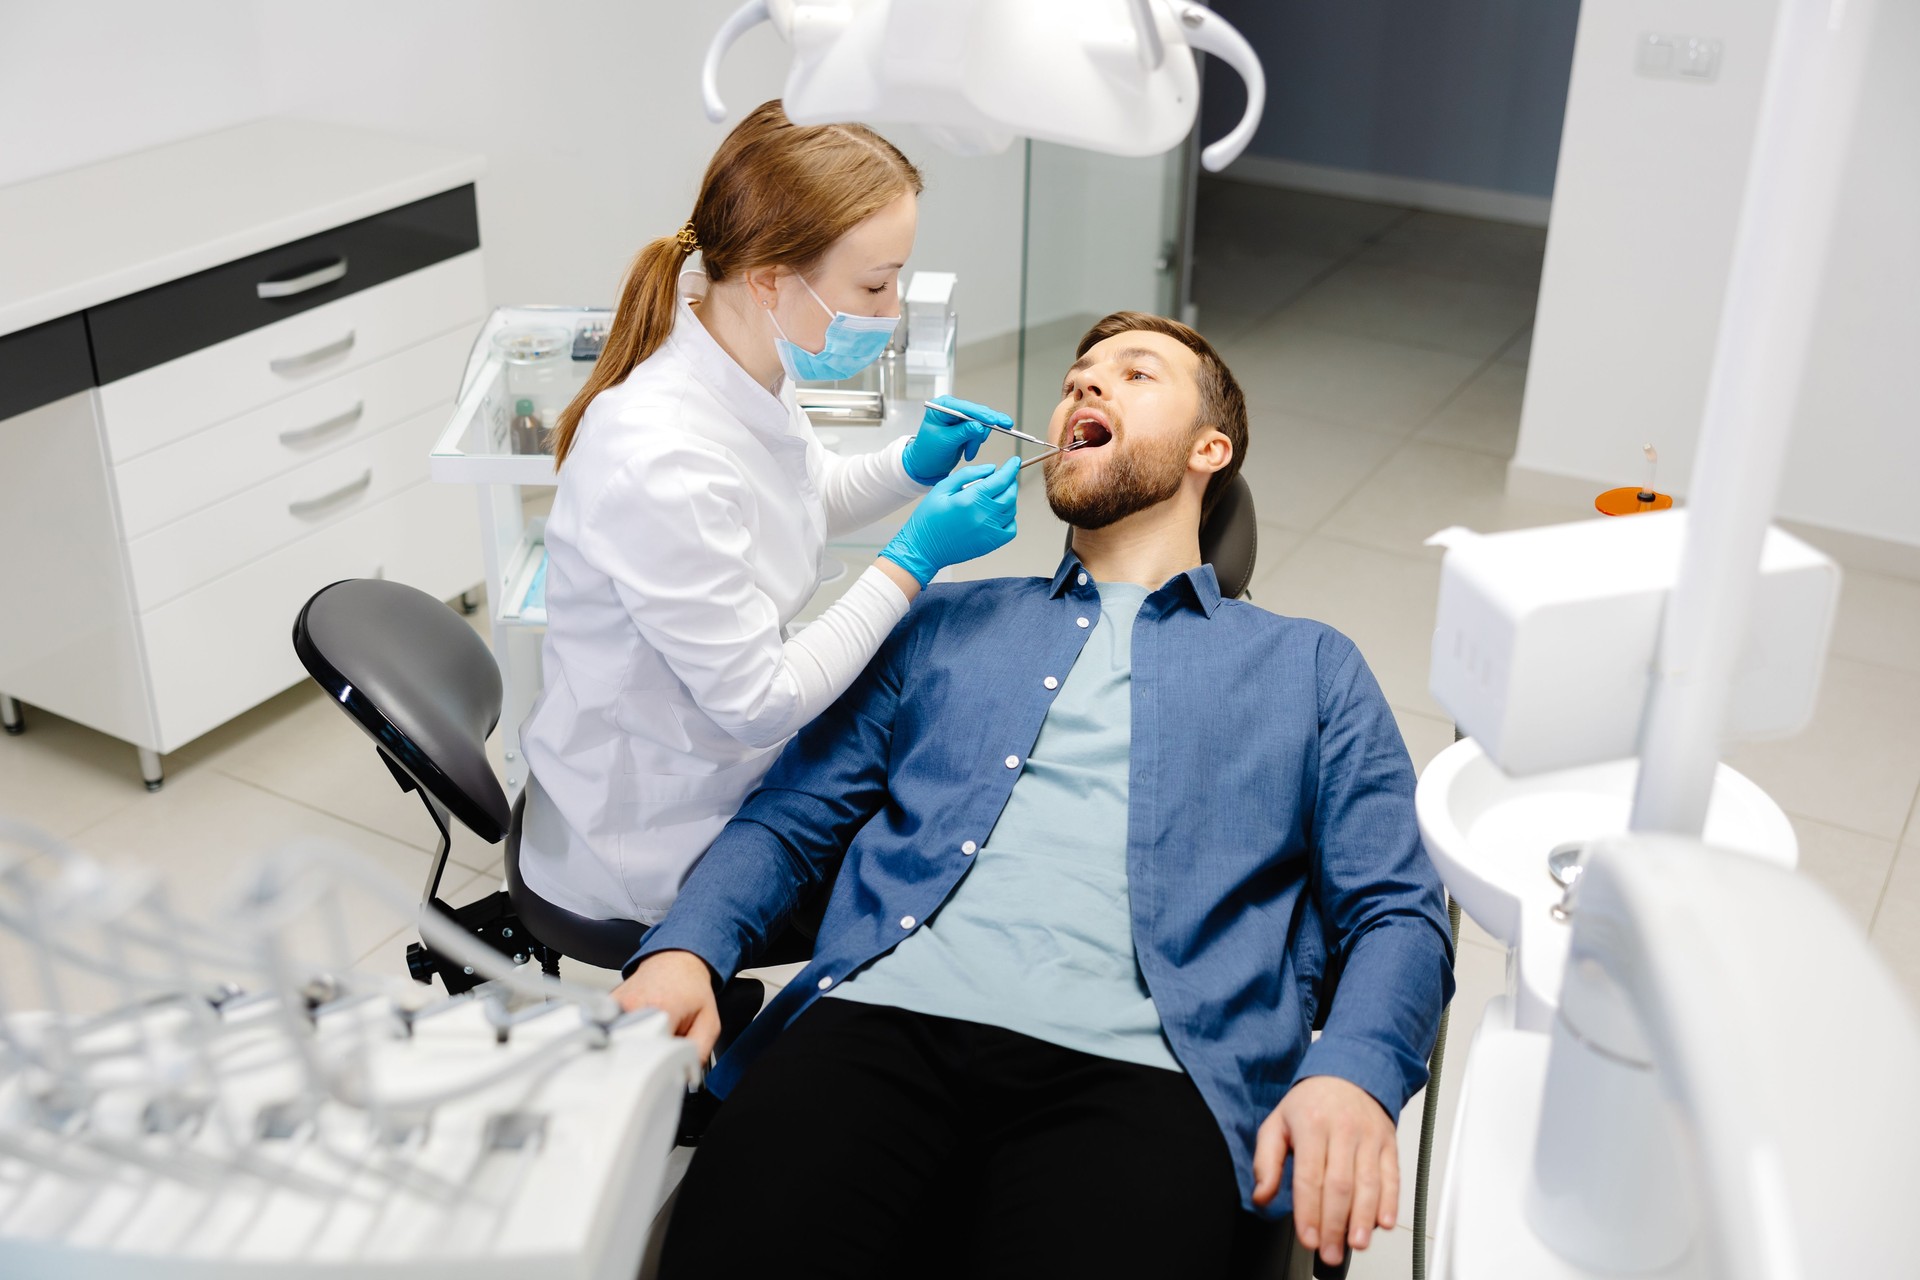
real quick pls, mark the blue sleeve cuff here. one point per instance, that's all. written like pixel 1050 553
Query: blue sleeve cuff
pixel 715 946
pixel 1360 1063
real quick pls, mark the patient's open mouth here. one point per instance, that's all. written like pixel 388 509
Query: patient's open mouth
pixel 1088 431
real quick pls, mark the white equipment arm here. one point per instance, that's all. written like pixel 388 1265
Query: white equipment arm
pixel 1777 1054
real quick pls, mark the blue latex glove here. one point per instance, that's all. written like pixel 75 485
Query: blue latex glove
pixel 944 439
pixel 959 520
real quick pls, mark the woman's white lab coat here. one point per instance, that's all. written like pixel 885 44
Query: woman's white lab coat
pixel 689 528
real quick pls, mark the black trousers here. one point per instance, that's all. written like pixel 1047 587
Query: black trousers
pixel 870 1141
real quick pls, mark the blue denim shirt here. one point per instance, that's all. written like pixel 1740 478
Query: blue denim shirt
pixel 1271 843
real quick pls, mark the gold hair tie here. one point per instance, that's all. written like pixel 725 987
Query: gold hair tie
pixel 689 242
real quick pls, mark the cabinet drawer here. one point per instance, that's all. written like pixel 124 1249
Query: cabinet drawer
pixel 226 535
pixel 45 363
pixel 168 401
pixel 174 319
pixel 228 646
pixel 181 478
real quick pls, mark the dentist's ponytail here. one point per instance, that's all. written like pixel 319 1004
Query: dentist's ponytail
pixel 775 194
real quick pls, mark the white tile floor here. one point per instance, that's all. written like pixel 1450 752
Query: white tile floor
pixel 1383 352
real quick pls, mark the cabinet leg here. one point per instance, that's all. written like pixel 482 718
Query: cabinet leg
pixel 11 718
pixel 150 769
pixel 469 602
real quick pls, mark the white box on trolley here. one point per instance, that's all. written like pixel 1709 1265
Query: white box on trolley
pixel 1544 641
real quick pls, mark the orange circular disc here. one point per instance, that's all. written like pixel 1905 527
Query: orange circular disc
pixel 1631 501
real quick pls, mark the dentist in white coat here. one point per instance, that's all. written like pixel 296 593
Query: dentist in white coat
pixel 694 505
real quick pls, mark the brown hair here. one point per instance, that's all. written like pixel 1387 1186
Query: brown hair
pixel 775 194
pixel 1223 406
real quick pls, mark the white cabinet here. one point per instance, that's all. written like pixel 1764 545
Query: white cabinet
pixel 193 443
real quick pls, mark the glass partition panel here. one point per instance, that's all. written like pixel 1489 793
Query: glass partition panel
pixel 1103 233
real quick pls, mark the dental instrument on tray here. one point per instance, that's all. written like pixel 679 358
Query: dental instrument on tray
pixel 1120 77
pixel 226 1095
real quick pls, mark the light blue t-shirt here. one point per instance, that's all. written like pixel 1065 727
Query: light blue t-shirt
pixel 1038 938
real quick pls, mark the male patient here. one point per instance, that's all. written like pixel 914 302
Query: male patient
pixel 1103 845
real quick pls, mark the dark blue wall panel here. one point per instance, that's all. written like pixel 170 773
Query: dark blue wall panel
pixel 1463 91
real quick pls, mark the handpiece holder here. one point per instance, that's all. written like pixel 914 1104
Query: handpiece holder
pixel 1208 32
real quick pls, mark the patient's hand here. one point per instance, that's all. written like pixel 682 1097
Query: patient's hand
pixel 679 983
pixel 1346 1164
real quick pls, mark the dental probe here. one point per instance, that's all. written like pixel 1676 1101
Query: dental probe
pixel 1048 445
pixel 1041 457
pixel 991 426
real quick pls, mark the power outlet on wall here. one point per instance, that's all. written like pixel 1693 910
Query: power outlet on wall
pixel 1664 56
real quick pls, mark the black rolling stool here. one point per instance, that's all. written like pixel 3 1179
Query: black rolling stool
pixel 610 944
pixel 425 688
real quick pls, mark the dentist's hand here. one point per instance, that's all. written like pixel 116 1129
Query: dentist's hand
pixel 958 520
pixel 1346 1164
pixel 944 439
pixel 679 984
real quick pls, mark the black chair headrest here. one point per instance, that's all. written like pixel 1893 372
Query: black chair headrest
pixel 1229 539
pixel 421 684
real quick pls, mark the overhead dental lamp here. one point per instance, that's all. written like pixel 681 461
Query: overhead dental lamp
pixel 1117 76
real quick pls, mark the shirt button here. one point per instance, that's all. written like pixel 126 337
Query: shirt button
pixel 969 848
pixel 1051 682
pixel 1013 762
pixel 1082 622
pixel 825 983
pixel 906 922
pixel 1083 579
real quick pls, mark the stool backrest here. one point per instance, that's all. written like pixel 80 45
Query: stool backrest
pixel 419 681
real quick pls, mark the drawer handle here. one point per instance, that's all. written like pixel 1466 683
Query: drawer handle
pixel 307 435
pixel 303 283
pixel 313 506
pixel 293 364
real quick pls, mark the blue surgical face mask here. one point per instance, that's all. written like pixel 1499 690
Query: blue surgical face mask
pixel 853 343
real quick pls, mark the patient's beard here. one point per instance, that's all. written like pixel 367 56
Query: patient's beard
pixel 1131 478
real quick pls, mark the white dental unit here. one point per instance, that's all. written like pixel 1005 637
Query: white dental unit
pixel 1699 1070
pixel 254 1106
